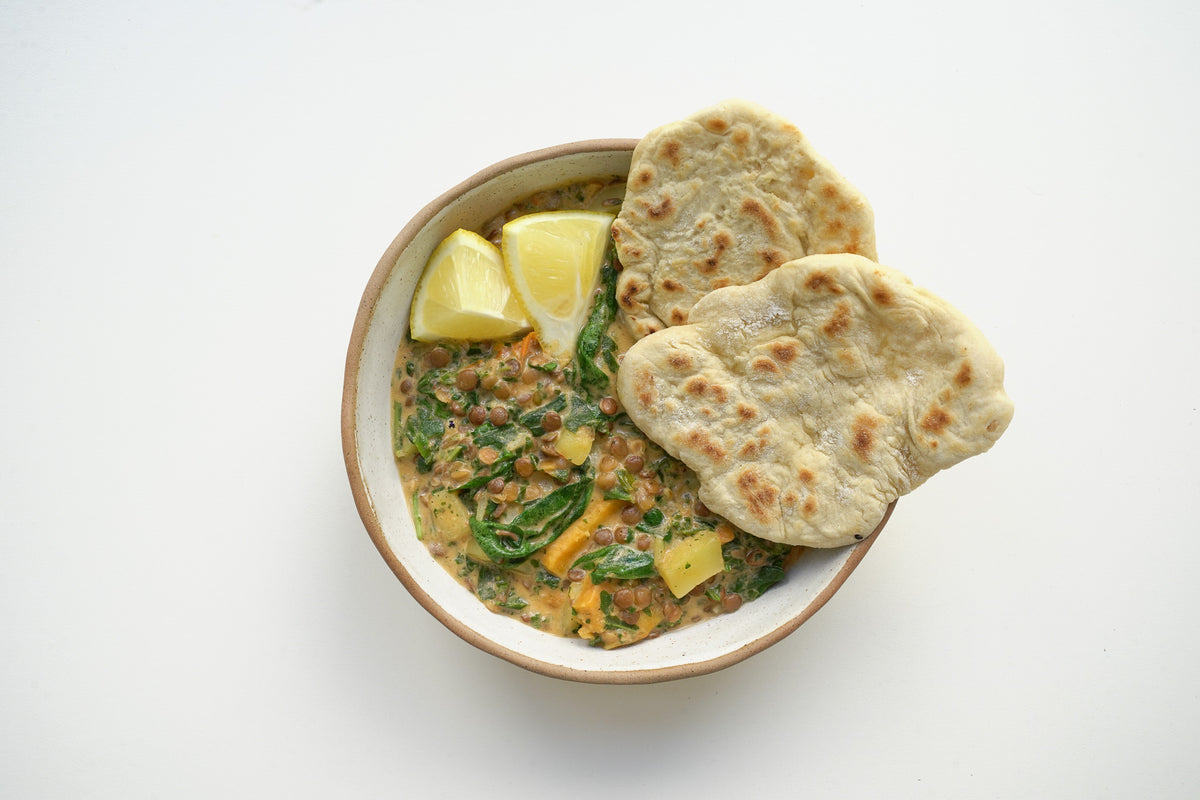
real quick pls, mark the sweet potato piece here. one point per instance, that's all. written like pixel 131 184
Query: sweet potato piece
pixel 563 551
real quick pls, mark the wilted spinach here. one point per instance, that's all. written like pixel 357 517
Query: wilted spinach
pixel 424 428
pixel 538 525
pixel 617 561
pixel 594 341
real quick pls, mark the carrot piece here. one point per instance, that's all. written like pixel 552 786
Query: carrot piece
pixel 525 345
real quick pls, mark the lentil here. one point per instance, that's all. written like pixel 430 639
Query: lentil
pixel 467 380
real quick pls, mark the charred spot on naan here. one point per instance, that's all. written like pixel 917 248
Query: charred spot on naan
pixel 771 258
pixel 963 377
pixel 669 151
pixel 751 207
pixel 758 493
pixel 821 281
pixel 700 440
pixel 642 177
pixel 839 322
pixel 862 436
pixel 803 175
pixel 645 389
pixel 784 351
pixel 627 297
pixel 936 420
pixel 716 124
pixel 882 295
pixel 854 244
pixel 759 444
pixel 722 240
pixel 810 505
pixel 661 210
pixel 763 367
pixel 680 361
pixel 700 387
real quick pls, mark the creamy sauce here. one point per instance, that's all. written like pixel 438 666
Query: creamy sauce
pixel 508 457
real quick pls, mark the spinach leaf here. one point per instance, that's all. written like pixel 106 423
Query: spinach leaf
pixel 489 435
pixel 494 585
pixel 547 578
pixel 608 351
pixel 533 419
pixel 580 412
pixel 501 468
pixel 622 489
pixel 500 543
pixel 762 579
pixel 651 520
pixel 536 526
pixel 591 341
pixel 565 501
pixel 575 412
pixel 617 561
pixel 425 430
pixel 438 376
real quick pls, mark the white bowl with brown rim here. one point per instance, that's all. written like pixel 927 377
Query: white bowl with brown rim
pixel 379 329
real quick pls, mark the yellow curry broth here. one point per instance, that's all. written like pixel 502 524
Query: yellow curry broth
pixel 531 486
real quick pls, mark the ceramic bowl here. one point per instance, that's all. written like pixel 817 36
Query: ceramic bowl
pixel 380 326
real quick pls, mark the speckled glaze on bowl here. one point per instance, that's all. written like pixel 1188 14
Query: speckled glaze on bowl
pixel 366 439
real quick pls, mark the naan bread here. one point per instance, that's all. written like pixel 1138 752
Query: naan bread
pixel 808 401
pixel 720 199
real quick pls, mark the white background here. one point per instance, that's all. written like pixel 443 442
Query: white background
pixel 193 198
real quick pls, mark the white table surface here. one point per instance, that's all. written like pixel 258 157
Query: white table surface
pixel 193 197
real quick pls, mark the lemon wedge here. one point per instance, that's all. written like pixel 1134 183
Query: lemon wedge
pixel 464 294
pixel 553 260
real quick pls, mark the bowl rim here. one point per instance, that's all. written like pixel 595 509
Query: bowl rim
pixel 367 304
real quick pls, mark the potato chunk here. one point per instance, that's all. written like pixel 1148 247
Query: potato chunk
pixel 686 563
pixel 575 446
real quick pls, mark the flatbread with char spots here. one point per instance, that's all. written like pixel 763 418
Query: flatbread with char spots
pixel 808 401
pixel 720 199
